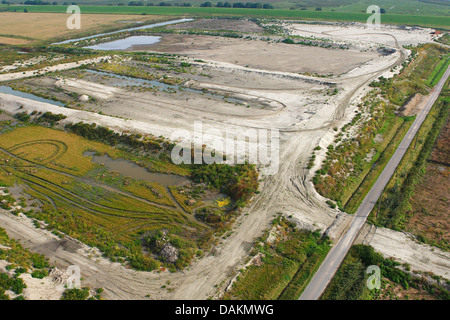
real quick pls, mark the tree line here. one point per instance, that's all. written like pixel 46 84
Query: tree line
pixel 207 4
pixel 251 5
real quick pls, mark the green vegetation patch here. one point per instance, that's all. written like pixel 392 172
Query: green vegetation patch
pixel 350 281
pixel 283 267
pixel 21 261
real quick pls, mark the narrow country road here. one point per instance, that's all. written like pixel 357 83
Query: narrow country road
pixel 337 254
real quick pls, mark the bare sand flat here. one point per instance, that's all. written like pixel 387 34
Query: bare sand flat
pixel 263 55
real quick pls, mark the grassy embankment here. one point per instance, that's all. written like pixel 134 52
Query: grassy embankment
pixel 284 266
pixel 378 131
pixel 350 281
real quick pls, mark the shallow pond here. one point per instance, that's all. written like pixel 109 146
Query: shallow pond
pixel 9 90
pixel 126 43
pixel 129 169
pixel 127 29
pixel 129 81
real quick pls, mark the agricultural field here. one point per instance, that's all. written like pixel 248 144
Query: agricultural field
pixel 416 199
pixel 19 28
pixel 394 18
pixel 426 7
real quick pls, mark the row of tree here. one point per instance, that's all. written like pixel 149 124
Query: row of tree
pixel 161 4
pixel 252 5
pixel 220 4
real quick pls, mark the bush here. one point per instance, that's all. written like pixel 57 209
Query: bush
pixel 288 41
pixel 22 116
pixel 76 294
pixel 39 274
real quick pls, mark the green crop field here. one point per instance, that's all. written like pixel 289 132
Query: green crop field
pixel 403 19
pixel 421 7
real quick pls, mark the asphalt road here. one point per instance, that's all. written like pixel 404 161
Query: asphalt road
pixel 337 254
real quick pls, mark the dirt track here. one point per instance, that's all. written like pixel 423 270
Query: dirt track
pixel 289 191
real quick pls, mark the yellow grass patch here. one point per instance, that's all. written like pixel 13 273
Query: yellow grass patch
pixel 49 147
pixel 12 41
pixel 223 202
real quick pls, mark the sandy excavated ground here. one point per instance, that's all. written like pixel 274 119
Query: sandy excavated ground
pixel 306 120
pixel 263 55
pixel 361 35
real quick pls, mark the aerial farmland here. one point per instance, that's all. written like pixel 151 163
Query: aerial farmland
pixel 95 121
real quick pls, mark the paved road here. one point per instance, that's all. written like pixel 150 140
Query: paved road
pixel 337 254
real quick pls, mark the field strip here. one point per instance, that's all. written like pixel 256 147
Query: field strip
pixel 59 67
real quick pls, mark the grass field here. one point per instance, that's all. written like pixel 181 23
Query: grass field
pixel 85 201
pixel 43 26
pixel 404 19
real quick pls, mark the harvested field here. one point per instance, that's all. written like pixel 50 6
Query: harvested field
pixel 13 41
pixel 429 215
pixel 441 151
pixel 45 26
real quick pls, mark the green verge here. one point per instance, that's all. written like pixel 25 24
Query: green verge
pixel 438 72
pixel 286 265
